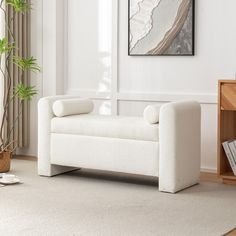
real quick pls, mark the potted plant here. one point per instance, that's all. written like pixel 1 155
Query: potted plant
pixel 9 54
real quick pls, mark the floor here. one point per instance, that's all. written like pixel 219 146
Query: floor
pixel 91 203
pixel 231 233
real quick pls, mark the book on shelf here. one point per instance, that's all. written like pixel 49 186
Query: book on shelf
pixel 232 148
pixel 226 145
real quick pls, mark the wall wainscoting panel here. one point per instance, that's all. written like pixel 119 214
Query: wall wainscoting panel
pixel 148 97
pixel 167 97
pixel 90 93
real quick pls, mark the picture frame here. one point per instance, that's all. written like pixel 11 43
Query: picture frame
pixel 176 41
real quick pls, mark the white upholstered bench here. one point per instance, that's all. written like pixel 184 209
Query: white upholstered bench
pixel 169 149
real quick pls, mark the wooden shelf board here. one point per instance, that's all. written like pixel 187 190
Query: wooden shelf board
pixel 223 109
pixel 228 175
pixel 226 81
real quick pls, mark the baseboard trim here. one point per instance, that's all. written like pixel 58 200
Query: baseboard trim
pixel 25 157
pixel 210 177
pixel 209 170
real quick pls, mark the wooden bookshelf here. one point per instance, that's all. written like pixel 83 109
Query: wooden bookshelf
pixel 226 126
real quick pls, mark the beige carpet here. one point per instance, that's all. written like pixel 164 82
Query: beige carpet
pixel 82 203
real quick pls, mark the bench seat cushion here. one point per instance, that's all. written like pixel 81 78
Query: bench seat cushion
pixel 106 126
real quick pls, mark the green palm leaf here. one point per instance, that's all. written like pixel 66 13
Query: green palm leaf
pixel 5 46
pixel 24 92
pixel 19 5
pixel 26 63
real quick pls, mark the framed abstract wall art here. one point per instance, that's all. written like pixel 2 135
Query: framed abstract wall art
pixel 161 27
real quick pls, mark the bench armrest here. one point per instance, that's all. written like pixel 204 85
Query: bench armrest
pixel 45 114
pixel 180 147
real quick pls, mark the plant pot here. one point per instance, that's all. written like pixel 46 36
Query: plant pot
pixel 5 161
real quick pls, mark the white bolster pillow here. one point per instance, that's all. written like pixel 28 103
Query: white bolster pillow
pixel 151 114
pixel 76 106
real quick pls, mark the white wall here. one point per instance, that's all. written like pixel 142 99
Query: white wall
pixel 92 37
